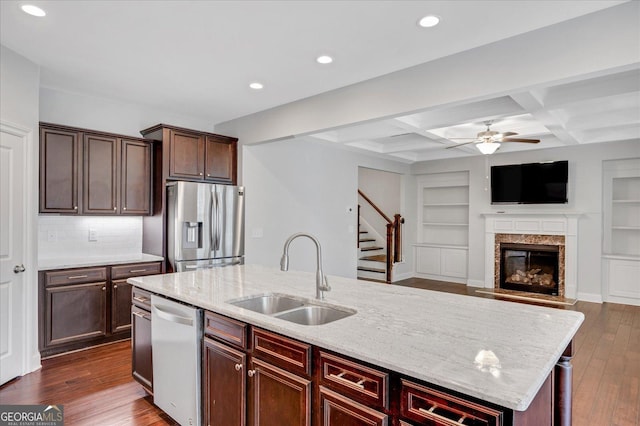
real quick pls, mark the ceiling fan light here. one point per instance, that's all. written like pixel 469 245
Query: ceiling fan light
pixel 488 148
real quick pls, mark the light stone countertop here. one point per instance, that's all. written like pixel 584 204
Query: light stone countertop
pixel 48 264
pixel 428 335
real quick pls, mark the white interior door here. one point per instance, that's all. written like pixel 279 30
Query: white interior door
pixel 12 217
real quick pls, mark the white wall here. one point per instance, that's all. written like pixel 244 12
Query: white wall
pixel 68 236
pixel 108 115
pixel 585 197
pixel 304 186
pixel 19 81
pixel 383 188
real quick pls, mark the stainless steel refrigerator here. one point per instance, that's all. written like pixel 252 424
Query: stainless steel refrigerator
pixel 205 225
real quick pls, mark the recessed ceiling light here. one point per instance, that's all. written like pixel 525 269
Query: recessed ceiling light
pixel 429 21
pixel 33 10
pixel 324 59
pixel 256 85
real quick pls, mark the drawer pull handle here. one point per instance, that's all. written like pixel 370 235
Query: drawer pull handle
pixel 77 277
pixel 340 378
pixel 431 415
pixel 141 315
pixel 141 299
pixel 138 270
pixel 238 367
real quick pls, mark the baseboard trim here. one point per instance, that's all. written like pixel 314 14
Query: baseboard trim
pixel 589 297
pixel 476 283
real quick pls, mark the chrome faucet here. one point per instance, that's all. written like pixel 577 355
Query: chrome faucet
pixel 322 284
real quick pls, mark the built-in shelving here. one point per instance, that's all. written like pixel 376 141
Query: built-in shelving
pixel 443 230
pixel 621 230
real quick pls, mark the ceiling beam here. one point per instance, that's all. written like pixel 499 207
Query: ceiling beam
pixel 532 104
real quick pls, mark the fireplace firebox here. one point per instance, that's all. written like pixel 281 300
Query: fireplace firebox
pixel 529 267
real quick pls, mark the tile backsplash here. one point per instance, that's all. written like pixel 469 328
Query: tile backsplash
pixel 68 236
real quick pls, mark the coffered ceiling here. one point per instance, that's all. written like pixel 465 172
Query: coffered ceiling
pixel 601 109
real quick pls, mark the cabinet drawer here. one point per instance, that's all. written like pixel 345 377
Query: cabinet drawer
pixel 141 298
pixel 135 270
pixel 225 329
pixel 288 354
pixel 362 383
pixel 421 404
pixel 338 410
pixel 75 276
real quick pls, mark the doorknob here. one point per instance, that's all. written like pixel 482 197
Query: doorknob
pixel 18 268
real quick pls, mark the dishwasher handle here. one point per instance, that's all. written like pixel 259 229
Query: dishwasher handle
pixel 171 317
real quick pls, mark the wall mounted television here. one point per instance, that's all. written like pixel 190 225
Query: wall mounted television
pixel 532 183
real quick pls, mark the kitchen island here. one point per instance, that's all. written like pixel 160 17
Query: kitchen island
pixel 494 351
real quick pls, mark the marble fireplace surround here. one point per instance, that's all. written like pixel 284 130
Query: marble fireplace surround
pixel 559 229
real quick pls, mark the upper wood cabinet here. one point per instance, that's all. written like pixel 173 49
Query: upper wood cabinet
pixel 59 170
pixel 193 155
pixel 93 173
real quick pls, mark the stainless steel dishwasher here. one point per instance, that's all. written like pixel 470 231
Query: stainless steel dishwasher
pixel 176 333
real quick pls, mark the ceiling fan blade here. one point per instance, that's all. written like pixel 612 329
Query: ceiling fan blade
pixel 462 139
pixel 507 134
pixel 461 144
pixel 520 140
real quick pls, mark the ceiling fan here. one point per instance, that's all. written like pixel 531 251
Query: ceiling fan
pixel 489 141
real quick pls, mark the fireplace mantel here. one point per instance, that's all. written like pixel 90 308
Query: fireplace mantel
pixel 535 223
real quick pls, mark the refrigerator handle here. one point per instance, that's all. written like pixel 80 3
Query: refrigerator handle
pixel 211 222
pixel 217 213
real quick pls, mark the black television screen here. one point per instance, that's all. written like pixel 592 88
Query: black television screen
pixel 533 183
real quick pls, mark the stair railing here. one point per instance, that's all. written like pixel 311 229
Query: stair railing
pixel 394 235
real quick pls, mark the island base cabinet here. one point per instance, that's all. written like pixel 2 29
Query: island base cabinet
pixel 277 396
pixel 224 384
pixel 337 410
pixel 141 365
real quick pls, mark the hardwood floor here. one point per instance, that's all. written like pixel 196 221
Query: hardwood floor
pixel 95 386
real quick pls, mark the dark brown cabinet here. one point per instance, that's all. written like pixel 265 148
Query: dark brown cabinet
pixel 225 384
pixel 141 351
pixel 276 392
pixel 192 155
pixel 87 306
pixel 93 173
pixel 75 312
pixel 59 159
pixel 100 177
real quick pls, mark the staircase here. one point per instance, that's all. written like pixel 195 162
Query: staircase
pixel 372 260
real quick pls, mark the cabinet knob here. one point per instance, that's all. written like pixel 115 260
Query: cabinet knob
pixel 75 207
pixel 115 208
pixel 208 175
pixel 238 367
pixel 115 286
pixel 104 288
pixel 200 174
pixel 124 208
pixel 251 373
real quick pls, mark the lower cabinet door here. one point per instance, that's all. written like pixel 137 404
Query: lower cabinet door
pixel 277 397
pixel 75 312
pixel 224 385
pixel 338 410
pixel 141 362
pixel 120 306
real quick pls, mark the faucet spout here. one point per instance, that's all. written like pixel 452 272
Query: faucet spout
pixel 322 284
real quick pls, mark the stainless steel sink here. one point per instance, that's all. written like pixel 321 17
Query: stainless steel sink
pixel 315 315
pixel 293 309
pixel 269 304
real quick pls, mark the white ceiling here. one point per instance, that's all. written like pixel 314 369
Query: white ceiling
pixel 198 57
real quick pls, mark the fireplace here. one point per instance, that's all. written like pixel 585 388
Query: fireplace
pixel 537 228
pixel 529 267
pixel 533 263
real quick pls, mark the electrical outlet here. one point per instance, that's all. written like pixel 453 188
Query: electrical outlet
pixel 93 234
pixel 52 236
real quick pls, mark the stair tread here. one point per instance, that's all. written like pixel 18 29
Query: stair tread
pixel 366 240
pixel 370 248
pixel 378 270
pixel 375 258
